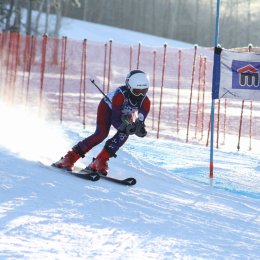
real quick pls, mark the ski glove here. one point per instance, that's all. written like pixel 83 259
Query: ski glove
pixel 127 126
pixel 140 128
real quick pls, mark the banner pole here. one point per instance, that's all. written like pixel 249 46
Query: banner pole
pixel 213 100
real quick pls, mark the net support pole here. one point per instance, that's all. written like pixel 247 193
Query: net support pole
pixel 213 101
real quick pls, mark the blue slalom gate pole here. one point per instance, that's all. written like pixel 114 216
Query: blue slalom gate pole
pixel 212 118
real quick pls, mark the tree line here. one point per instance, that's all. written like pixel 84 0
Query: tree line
pixel 190 20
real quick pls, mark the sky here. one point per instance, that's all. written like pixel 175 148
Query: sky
pixel 173 212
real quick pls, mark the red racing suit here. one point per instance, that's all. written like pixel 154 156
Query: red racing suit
pixel 123 103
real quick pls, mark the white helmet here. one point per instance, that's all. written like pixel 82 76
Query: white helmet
pixel 138 82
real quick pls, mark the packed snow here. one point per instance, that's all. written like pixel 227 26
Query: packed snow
pixel 80 29
pixel 173 212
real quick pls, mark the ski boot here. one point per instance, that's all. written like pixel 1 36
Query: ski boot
pixel 99 164
pixel 67 162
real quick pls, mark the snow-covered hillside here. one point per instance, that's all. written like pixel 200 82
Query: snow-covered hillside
pixel 173 212
pixel 79 30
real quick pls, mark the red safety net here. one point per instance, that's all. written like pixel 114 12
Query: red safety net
pixel 55 73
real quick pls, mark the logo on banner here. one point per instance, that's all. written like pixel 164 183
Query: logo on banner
pixel 245 75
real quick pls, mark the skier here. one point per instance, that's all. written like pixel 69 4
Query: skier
pixel 118 108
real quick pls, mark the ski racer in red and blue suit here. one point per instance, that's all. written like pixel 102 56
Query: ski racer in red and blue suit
pixel 118 109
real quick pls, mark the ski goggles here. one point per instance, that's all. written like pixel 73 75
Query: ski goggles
pixel 138 92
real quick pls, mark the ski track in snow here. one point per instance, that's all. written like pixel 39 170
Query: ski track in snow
pixel 171 213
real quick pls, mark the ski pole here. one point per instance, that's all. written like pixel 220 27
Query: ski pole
pixel 93 82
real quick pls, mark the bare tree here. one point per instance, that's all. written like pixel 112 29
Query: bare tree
pixel 248 20
pixel 8 13
pixel 40 9
pixel 46 24
pixel 29 17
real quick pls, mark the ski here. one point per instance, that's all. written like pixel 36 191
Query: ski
pixel 95 176
pixel 92 176
pixel 128 181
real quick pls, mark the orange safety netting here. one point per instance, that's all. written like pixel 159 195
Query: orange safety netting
pixel 55 73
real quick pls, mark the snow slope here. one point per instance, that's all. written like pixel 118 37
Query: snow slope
pixel 79 30
pixel 173 212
